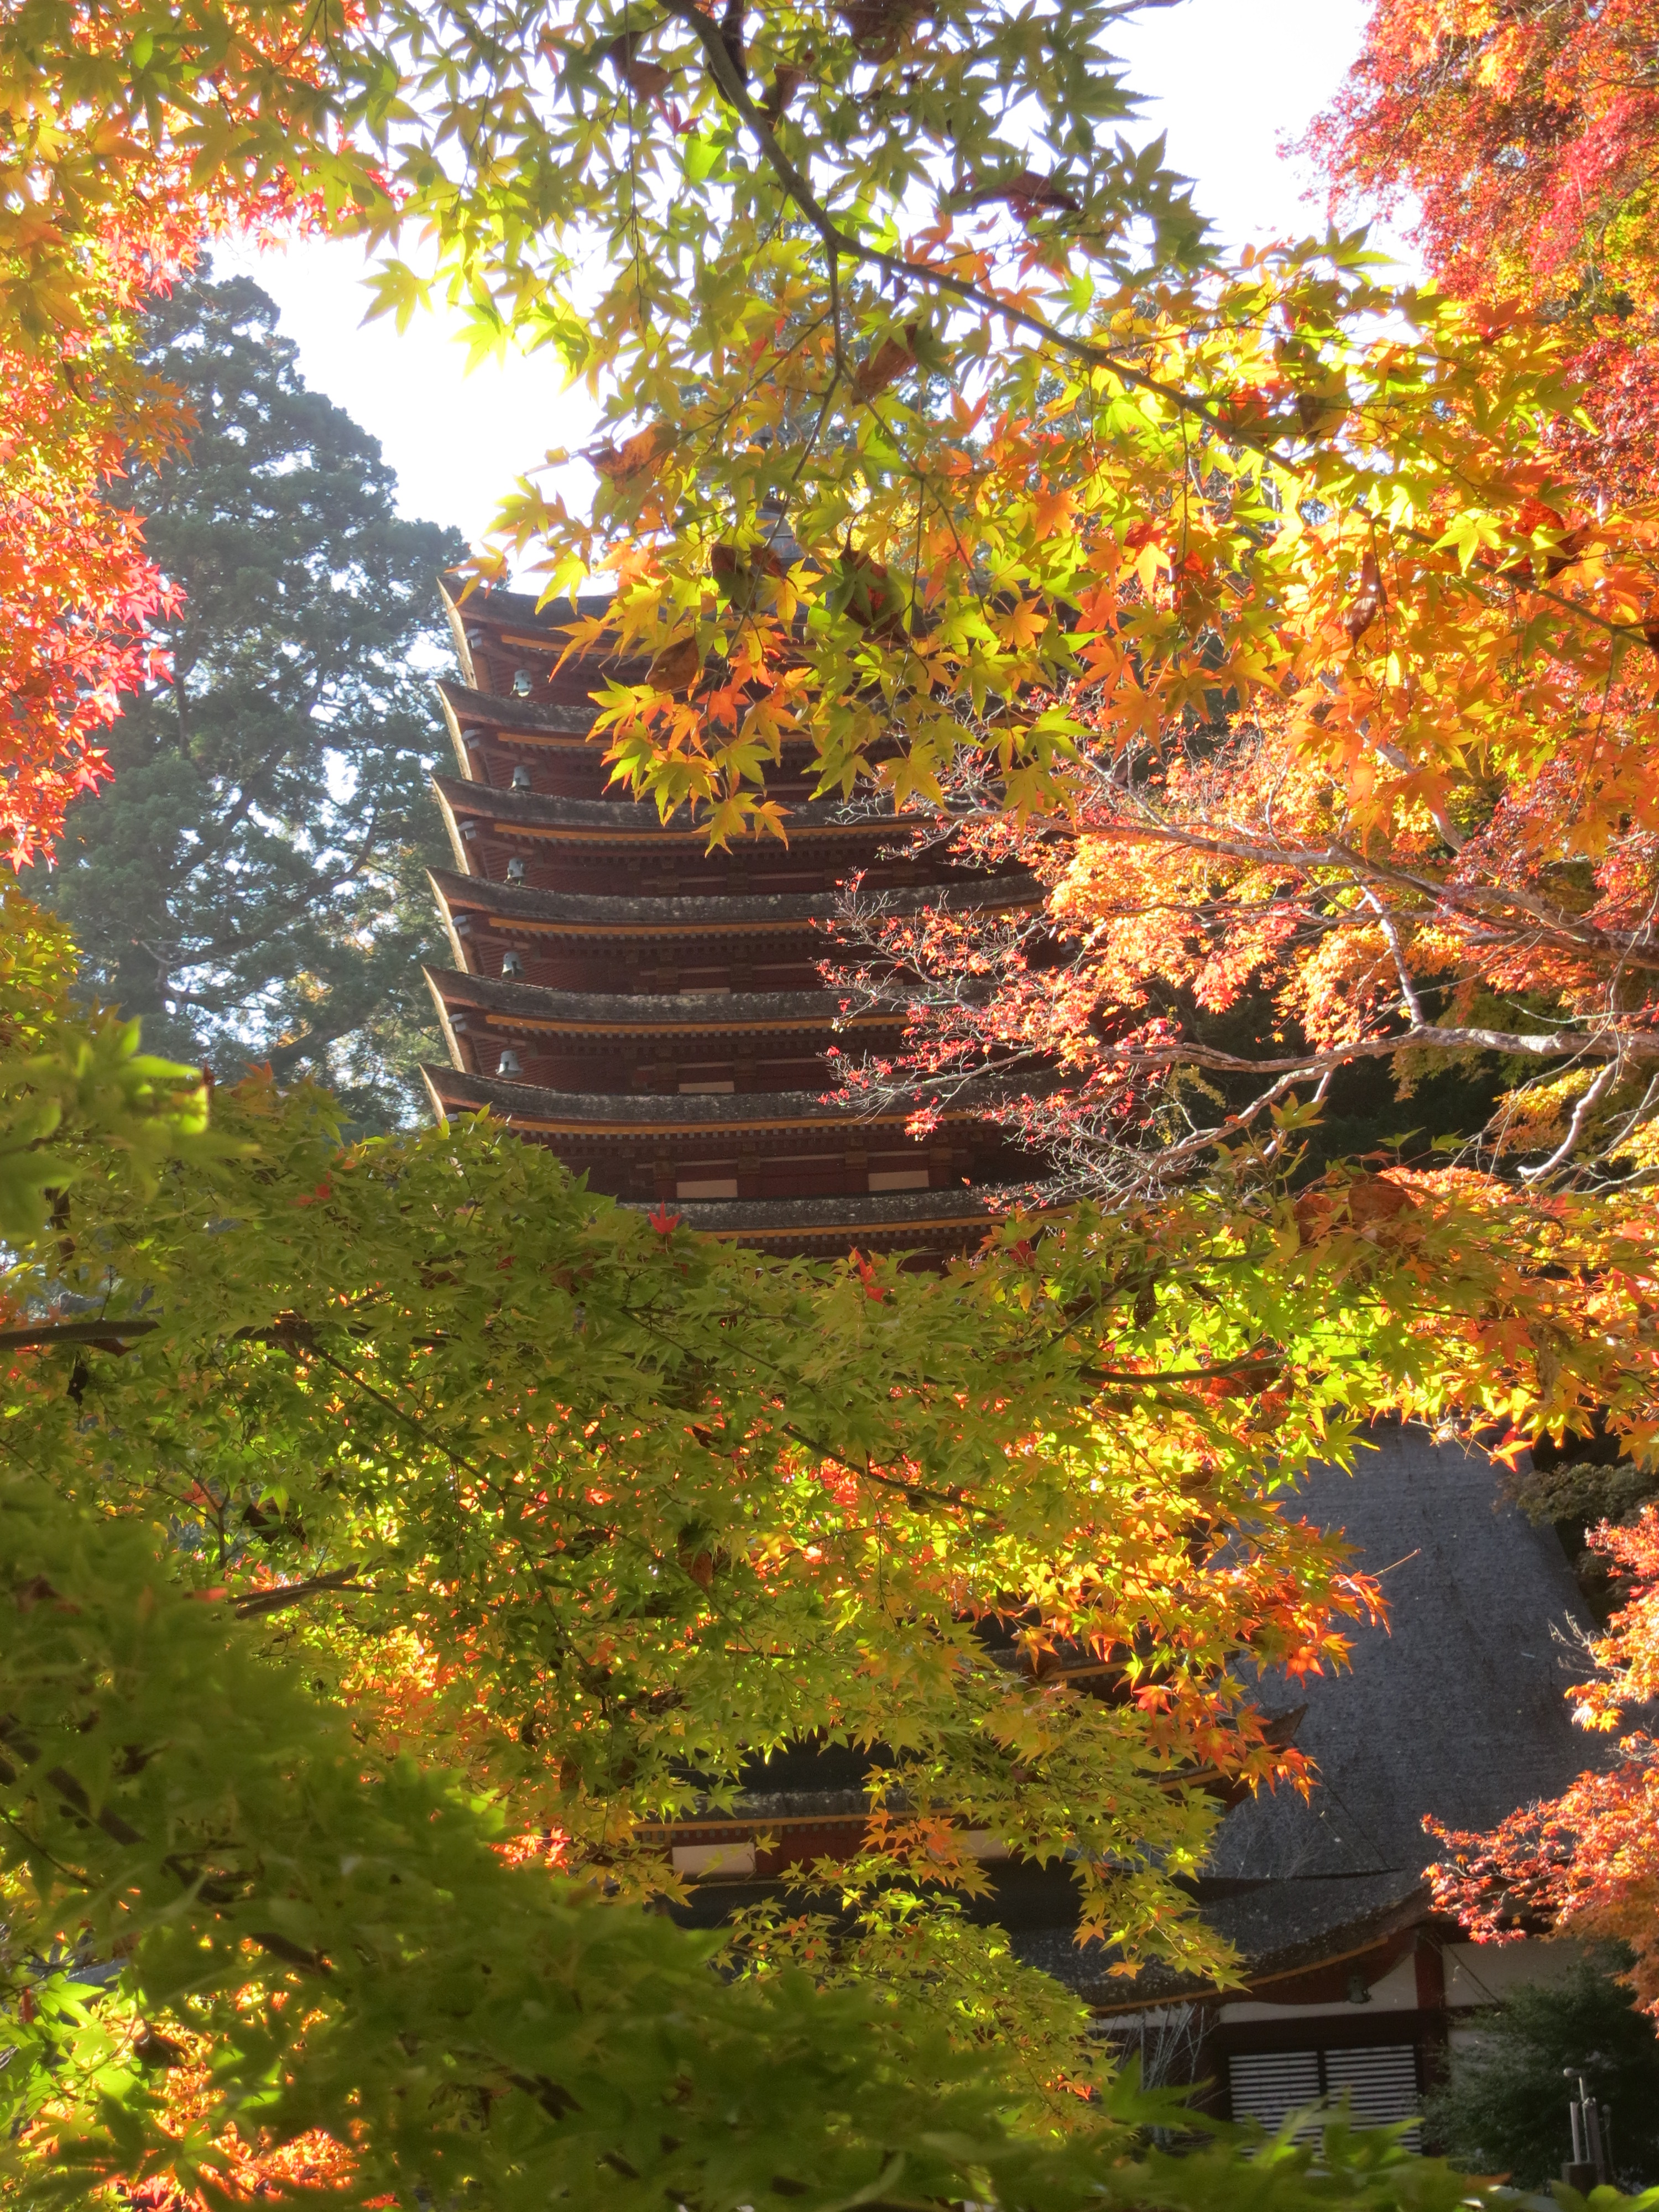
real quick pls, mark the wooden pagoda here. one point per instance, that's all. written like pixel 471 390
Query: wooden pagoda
pixel 655 1012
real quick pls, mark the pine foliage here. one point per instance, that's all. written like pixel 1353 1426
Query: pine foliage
pixel 251 883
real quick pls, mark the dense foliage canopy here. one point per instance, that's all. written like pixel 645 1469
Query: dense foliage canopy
pixel 331 1473
pixel 1526 138
pixel 1526 134
pixel 390 1519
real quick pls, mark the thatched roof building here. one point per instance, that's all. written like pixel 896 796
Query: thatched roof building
pixel 1458 1709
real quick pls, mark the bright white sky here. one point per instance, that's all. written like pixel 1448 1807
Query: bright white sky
pixel 1225 79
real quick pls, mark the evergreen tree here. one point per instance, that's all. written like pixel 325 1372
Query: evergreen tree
pixel 251 882
pixel 1504 2108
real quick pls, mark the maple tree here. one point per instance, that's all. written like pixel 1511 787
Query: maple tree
pixel 1158 481
pixel 1525 138
pixel 399 1536
pixel 1587 1862
pixel 127 136
pixel 1260 593
pixel 342 1473
pixel 759 240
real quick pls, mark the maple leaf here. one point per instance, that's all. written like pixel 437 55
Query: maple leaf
pixel 1431 107
pixel 662 1221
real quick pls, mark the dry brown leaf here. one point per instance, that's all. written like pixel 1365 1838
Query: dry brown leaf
pixel 1368 602
pixel 1027 195
pixel 737 568
pixel 644 450
pixel 877 26
pixel 894 358
pixel 676 667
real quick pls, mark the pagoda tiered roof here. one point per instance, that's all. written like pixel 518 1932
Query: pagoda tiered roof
pixel 521 906
pixel 526 720
pixel 683 1142
pixel 531 1105
pixel 664 1117
pixel 535 721
pixel 655 1012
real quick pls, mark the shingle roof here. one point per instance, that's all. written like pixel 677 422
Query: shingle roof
pixel 735 912
pixel 1278 1929
pixel 512 716
pixel 532 717
pixel 536 1105
pixel 1458 1708
pixel 522 609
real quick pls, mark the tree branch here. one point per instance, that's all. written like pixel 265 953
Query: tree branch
pixel 102 1335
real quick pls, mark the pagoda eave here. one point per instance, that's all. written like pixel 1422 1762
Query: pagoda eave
pixel 922 1220
pixel 623 821
pixel 678 1016
pixel 514 907
pixel 523 907
pixel 525 721
pixel 604 1115
pixel 520 720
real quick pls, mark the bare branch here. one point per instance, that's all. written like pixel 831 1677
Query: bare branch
pixel 1581 1113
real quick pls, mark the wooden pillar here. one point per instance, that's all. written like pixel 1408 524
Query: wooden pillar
pixel 1433 2044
